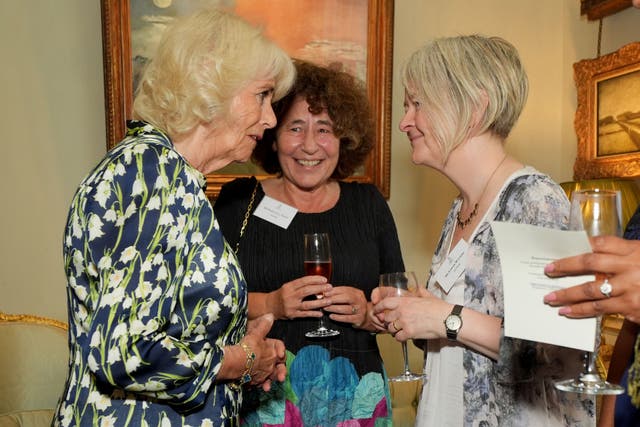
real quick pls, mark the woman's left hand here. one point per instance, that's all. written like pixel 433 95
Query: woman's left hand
pixel 411 317
pixel 349 306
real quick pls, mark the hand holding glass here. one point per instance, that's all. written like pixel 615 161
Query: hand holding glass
pixel 401 284
pixel 598 213
pixel 317 261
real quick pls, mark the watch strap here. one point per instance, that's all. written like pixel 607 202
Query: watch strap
pixel 457 309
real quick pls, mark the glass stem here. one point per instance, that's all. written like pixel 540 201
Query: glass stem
pixel 321 322
pixel 590 363
pixel 405 356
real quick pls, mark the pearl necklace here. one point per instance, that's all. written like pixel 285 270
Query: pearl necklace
pixel 463 223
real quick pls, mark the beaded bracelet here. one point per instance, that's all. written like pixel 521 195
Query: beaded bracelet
pixel 248 367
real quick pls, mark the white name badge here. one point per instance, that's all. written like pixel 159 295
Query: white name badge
pixel 275 212
pixel 452 267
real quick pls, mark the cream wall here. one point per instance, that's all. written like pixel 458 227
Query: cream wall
pixel 52 131
pixel 52 120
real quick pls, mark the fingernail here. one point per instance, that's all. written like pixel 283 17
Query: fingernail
pixel 549 268
pixel 564 310
pixel 550 297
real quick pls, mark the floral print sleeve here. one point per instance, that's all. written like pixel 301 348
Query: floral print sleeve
pixel 154 291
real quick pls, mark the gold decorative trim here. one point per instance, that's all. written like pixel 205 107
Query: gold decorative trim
pixel 118 86
pixel 588 74
pixel 30 318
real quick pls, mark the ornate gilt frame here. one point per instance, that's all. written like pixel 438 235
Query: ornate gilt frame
pixel 118 85
pixel 588 73
pixel 30 318
pixel 598 9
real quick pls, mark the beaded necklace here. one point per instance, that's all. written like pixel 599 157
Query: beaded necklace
pixel 463 223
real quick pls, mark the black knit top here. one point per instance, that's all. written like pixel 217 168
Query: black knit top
pixel 364 244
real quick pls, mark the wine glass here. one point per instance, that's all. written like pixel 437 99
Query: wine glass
pixel 597 212
pixel 401 284
pixel 317 261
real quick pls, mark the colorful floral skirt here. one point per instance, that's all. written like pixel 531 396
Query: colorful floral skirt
pixel 320 391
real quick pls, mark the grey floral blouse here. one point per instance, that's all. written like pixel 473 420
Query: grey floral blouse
pixel 154 294
pixel 517 390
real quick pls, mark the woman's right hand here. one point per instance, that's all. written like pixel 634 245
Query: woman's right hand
pixel 292 301
pixel 269 364
pixel 619 259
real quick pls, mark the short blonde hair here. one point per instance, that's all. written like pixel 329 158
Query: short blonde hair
pixel 454 77
pixel 202 62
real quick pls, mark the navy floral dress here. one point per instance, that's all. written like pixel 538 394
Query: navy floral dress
pixel 154 294
pixel 517 389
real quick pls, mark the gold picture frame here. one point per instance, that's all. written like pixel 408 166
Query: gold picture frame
pixel 598 9
pixel 607 120
pixel 118 78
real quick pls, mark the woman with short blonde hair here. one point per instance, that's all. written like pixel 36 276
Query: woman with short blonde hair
pixel 463 96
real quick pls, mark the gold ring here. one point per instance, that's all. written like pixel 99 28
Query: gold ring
pixel 354 309
pixel 396 327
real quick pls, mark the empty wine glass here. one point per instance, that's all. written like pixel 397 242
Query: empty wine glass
pixel 597 212
pixel 317 261
pixel 401 284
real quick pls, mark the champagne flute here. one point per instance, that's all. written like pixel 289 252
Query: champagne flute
pixel 317 261
pixel 401 284
pixel 597 212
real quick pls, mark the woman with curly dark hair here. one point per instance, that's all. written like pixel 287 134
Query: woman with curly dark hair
pixel 324 133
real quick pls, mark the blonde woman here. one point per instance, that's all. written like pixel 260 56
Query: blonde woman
pixel 463 96
pixel 157 302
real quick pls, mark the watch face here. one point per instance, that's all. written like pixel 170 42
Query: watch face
pixel 453 322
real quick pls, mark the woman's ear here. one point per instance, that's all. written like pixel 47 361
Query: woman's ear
pixel 478 113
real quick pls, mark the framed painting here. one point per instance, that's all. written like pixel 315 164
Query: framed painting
pixel 607 120
pixel 356 35
pixel 598 9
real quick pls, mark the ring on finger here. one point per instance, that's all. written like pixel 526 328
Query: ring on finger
pixel 354 309
pixel 606 288
pixel 396 326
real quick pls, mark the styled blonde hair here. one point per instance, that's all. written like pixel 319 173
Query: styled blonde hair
pixel 456 77
pixel 202 62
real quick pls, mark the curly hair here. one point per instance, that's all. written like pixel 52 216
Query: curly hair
pixel 202 62
pixel 344 97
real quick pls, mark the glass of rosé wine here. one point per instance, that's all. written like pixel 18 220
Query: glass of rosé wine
pixel 317 262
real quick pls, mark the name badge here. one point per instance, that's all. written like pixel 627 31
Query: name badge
pixel 452 267
pixel 275 212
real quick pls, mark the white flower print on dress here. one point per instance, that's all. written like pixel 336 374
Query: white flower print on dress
pixel 108 421
pixel 131 364
pixel 128 254
pixel 138 188
pixel 154 203
pixel 161 183
pixel 213 311
pixel 95 227
pixel 103 192
pixel 113 355
pixel 208 259
pixel 197 277
pixel 131 301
